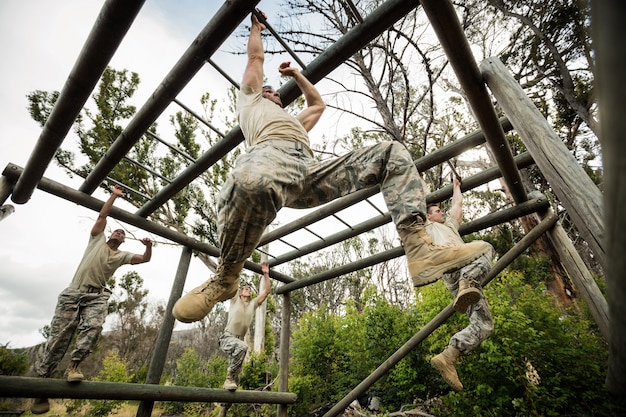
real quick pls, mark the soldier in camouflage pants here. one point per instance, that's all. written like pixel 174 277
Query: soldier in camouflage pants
pixel 464 285
pixel 82 306
pixel 279 170
pixel 240 316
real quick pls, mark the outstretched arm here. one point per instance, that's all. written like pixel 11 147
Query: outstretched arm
pixel 101 221
pixel 253 74
pixel 315 105
pixel 456 211
pixel 147 254
pixel 266 284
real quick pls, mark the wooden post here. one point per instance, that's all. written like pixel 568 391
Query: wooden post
pixel 608 35
pixel 580 276
pixel 578 194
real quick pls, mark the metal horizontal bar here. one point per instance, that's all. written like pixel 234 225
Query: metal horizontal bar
pixel 15 386
pixel 171 147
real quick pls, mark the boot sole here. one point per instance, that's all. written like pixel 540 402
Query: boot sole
pixel 434 273
pixel 469 298
pixel 441 366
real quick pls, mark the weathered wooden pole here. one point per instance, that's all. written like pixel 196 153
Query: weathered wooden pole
pixel 608 34
pixel 581 277
pixel 578 194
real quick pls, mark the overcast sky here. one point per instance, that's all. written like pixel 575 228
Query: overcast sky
pixel 42 242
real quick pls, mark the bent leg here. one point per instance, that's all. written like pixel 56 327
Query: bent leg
pixel 387 164
pixel 479 329
pixel 236 350
pixel 255 190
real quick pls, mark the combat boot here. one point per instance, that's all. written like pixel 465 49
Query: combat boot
pixel 40 406
pixel 230 383
pixel 73 373
pixel 466 296
pixel 428 262
pixel 444 363
pixel 197 303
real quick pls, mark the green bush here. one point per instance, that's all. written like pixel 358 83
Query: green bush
pixel 191 371
pixel 114 369
pixel 541 360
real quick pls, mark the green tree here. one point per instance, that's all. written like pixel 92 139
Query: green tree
pixel 12 362
pixel 542 359
pixel 134 331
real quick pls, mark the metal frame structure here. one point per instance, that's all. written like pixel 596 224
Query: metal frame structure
pixel 115 19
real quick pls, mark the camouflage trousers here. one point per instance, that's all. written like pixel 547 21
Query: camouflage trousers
pixel 75 311
pixel 272 175
pixel 236 350
pixel 481 322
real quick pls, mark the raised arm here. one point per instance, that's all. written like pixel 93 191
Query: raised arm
pixel 253 74
pixel 147 254
pixel 101 221
pixel 315 105
pixel 456 210
pixel 266 284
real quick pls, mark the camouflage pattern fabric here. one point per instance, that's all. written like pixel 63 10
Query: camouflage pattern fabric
pixel 236 350
pixel 85 312
pixel 268 177
pixel 481 322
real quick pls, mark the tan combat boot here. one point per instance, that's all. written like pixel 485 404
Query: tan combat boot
pixel 444 363
pixel 40 406
pixel 466 296
pixel 197 303
pixel 428 262
pixel 73 372
pixel 230 383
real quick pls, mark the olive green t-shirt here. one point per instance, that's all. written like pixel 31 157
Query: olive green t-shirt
pixel 240 315
pixel 261 119
pixel 99 263
pixel 444 233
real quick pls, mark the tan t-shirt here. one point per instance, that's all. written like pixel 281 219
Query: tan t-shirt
pixel 446 233
pixel 261 119
pixel 240 316
pixel 99 263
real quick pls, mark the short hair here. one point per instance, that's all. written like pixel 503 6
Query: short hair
pixel 120 230
pixel 431 205
pixel 267 86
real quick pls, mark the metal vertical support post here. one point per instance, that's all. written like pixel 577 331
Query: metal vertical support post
pixel 285 332
pixel 157 361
